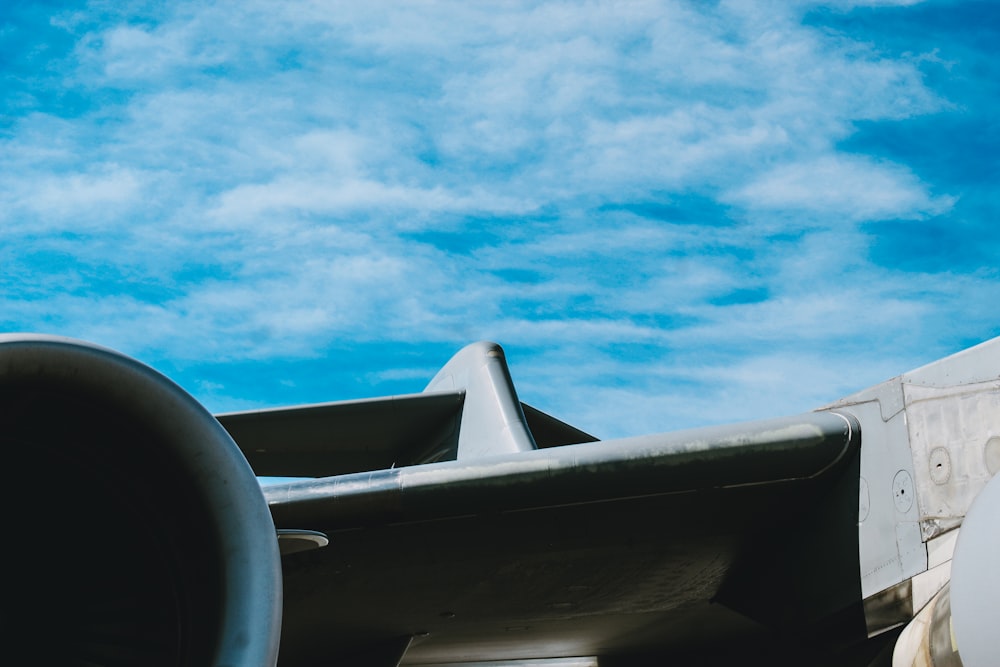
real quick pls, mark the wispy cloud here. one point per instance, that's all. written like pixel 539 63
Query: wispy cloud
pixel 845 188
pixel 650 203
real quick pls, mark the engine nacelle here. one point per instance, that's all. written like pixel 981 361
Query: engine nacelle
pixel 958 627
pixel 138 533
pixel 975 581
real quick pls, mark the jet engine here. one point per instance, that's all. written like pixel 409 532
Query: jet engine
pixel 958 627
pixel 975 580
pixel 136 531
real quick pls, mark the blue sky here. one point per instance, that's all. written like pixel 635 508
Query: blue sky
pixel 670 214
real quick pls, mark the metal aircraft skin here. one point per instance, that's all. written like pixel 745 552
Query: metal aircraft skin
pixel 459 526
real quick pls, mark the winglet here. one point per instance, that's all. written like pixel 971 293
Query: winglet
pixel 492 419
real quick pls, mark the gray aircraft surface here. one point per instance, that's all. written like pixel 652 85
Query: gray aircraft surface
pixel 459 526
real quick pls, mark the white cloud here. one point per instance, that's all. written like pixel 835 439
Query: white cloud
pixel 333 196
pixel 266 179
pixel 75 201
pixel 845 187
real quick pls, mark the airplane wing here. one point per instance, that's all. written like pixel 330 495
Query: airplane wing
pixel 460 526
pixel 608 548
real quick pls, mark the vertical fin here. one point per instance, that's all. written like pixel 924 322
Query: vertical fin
pixel 492 419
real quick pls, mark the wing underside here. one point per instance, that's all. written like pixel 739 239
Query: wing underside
pixel 642 546
pixel 625 549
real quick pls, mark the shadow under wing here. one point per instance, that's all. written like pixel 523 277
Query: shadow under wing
pixel 702 543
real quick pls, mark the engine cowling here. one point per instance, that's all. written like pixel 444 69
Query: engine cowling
pixel 975 581
pixel 138 533
pixel 958 627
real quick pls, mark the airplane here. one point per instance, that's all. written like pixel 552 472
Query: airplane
pixel 460 526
